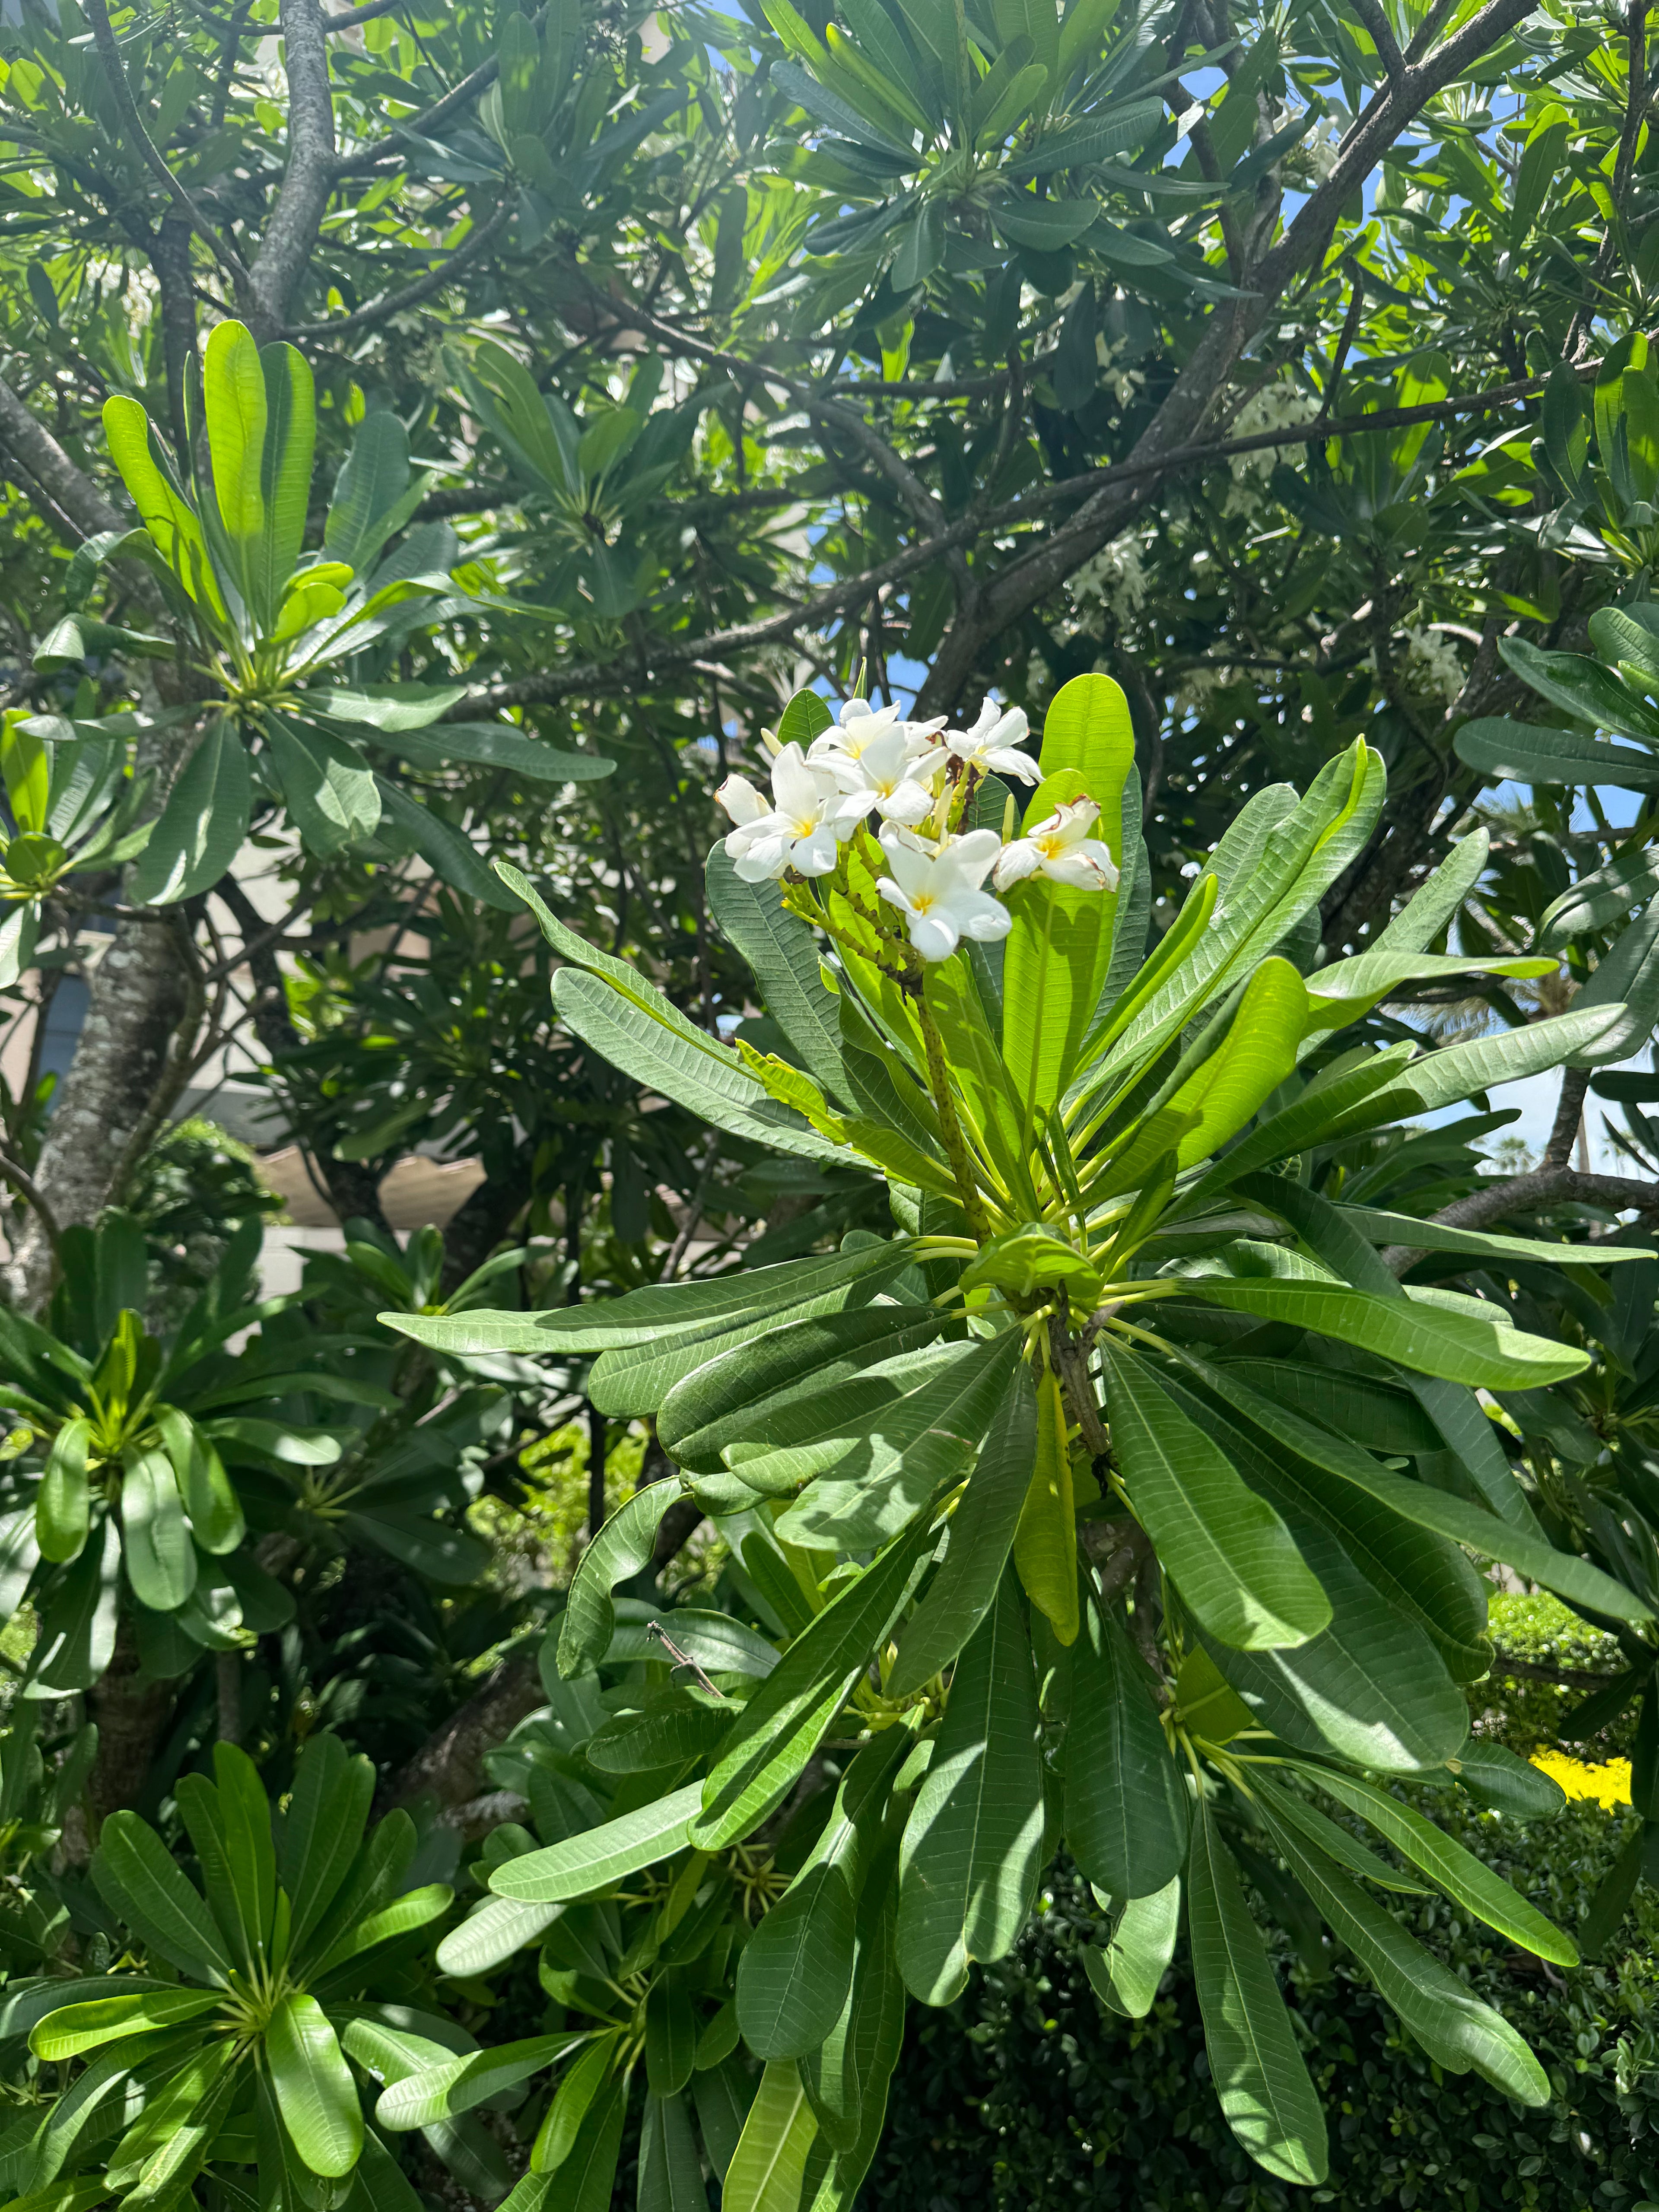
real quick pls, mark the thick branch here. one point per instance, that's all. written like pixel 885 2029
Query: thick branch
pixel 76 499
pixel 291 237
pixel 1500 1199
pixel 449 1765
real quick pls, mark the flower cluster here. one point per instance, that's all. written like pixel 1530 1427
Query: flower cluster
pixel 912 779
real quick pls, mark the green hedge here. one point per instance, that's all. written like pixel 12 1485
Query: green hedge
pixel 1521 1713
pixel 1025 2094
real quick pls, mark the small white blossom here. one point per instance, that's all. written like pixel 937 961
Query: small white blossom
pixel 884 776
pixel 801 830
pixel 936 889
pixel 1062 849
pixel 861 726
pixel 992 742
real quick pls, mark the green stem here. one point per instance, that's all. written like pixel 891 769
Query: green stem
pixel 956 1144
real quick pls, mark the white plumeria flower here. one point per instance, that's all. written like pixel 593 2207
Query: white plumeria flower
pixel 862 725
pixel 801 830
pixel 936 889
pixel 884 776
pixel 1062 849
pixel 993 744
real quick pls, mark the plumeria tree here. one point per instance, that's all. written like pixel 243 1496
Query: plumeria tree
pixel 1072 1505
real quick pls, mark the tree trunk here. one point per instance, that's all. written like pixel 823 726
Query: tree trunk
pixel 449 1765
pixel 131 1715
pixel 113 1094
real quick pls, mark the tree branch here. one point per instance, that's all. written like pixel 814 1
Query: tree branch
pixel 1201 382
pixel 422 288
pixel 290 236
pixel 1500 1199
pixel 149 153
pixel 621 672
pixel 431 118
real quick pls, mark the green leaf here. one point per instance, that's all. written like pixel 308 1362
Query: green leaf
pixel 842 115
pixel 1582 687
pixel 722 1401
pixel 78 1617
pixel 1462 1876
pixel 586 2179
pixel 1045 1541
pixel 1124 1975
pixel 496 744
pixel 768 2168
pixel 1215 1102
pixel 491 1934
pixel 790 1714
pixel 783 954
pixel 137 1878
pixel 1626 980
pixel 387 707
pixel 601 1856
pixel 1421 1574
pixel 973 1845
pixel 683 1063
pixel 1573 1578
pixel 322 1829
pixel 1125 1796
pixel 1116 128
pixel 901 1458
pixel 73 2029
pixel 315 2092
pixel 1456 1413
pixel 329 789
pixel 1380 1227
pixel 796 1970
pixel 447 851
pixel 156 1548
pixel 1607 895
pixel 1060 947
pixel 173 526
pixel 622 1548
pixel 216 1520
pixel 981 1536
pixel 1260 2076
pixel 203 825
pixel 671 2171
pixel 670 2034
pixel 1229 1553
pixel 1460 1347
pixel 369 492
pixel 1372 1688
pixel 62 1507
pixel 1455 2028
pixel 1494 1777
pixel 457 2085
pixel 1529 753
pixel 692 1312
pixel 670 1729
pixel 847 2077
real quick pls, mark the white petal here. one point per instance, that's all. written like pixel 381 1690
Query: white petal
pixel 1018 860
pixel 907 803
pixel 1010 763
pixel 763 860
pixel 894 894
pixel 933 936
pixel 815 855
pixel 740 799
pixel 985 921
